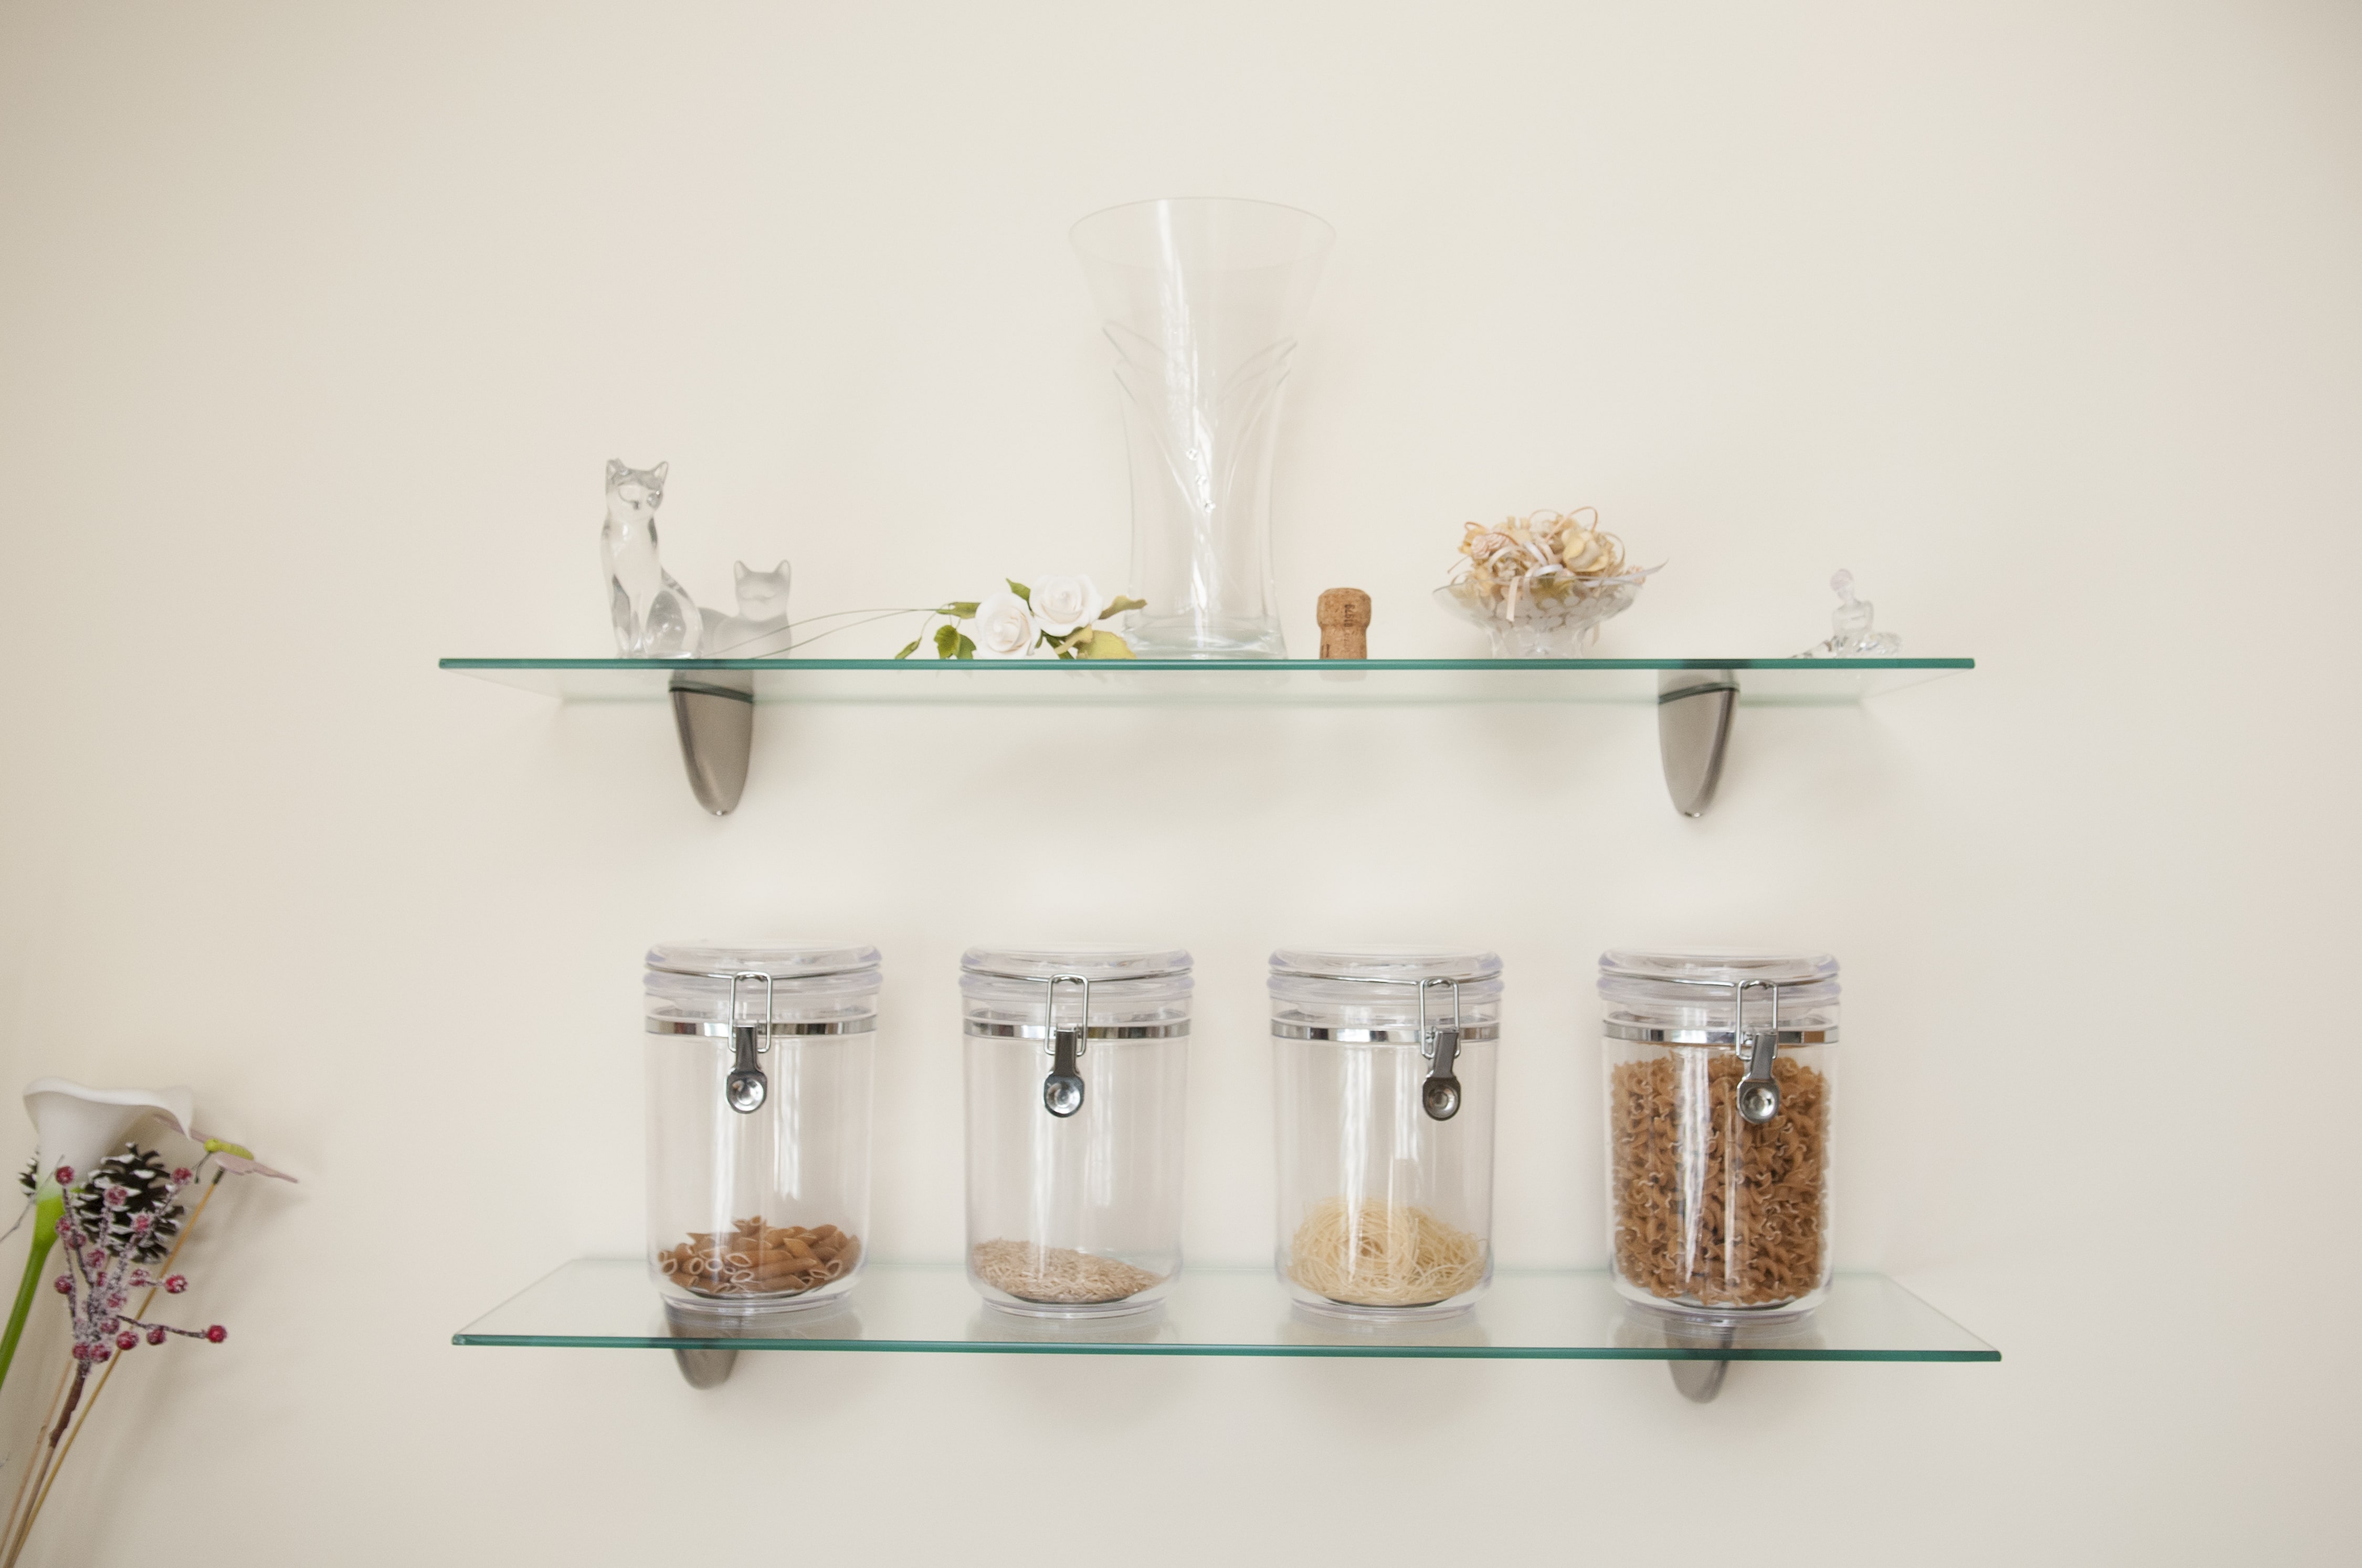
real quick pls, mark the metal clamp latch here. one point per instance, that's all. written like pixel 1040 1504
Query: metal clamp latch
pixel 747 1087
pixel 1758 1090
pixel 1439 1096
pixel 1062 1091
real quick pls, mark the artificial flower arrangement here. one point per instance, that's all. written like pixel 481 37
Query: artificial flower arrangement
pixel 1059 614
pixel 1542 584
pixel 117 1208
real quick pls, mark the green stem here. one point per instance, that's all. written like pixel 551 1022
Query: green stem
pixel 45 1215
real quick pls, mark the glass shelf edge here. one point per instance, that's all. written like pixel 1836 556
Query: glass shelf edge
pixel 1145 666
pixel 1243 1353
pixel 624 1285
pixel 1232 683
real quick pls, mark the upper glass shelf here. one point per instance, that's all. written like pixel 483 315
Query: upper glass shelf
pixel 1529 1315
pixel 1393 682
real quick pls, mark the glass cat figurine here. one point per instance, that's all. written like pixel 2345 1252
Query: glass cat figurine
pixel 760 629
pixel 654 617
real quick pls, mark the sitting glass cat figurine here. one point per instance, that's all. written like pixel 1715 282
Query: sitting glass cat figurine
pixel 760 629
pixel 654 617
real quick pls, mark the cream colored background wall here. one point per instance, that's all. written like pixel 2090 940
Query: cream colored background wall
pixel 318 323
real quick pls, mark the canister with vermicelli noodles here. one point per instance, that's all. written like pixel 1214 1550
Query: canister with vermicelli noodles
pixel 1385 1084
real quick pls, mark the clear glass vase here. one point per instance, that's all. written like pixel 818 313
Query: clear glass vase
pixel 1201 299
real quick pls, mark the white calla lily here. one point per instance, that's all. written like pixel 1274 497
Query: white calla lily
pixel 77 1126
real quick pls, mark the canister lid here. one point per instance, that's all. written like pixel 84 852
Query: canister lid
pixel 781 960
pixel 1688 997
pixel 1100 965
pixel 1400 965
pixel 793 981
pixel 1719 966
pixel 1386 997
pixel 1136 993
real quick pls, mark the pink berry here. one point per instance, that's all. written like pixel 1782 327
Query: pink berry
pixel 181 1173
pixel 102 1353
pixel 216 1334
pixel 65 1286
pixel 126 1339
pixel 65 1176
pixel 175 1283
pixel 155 1336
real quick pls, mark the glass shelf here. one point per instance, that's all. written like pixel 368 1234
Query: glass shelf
pixel 1529 1315
pixel 714 700
pixel 1406 682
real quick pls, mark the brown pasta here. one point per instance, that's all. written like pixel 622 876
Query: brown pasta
pixel 1711 1210
pixel 755 1259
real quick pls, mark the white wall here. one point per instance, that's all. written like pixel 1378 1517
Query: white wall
pixel 318 322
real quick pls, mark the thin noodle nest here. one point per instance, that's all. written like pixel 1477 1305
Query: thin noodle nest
pixel 1382 1254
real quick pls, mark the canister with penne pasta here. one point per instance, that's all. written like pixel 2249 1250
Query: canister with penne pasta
pixel 758 1074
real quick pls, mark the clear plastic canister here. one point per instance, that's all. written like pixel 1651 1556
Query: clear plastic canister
pixel 1077 1079
pixel 759 1062
pixel 1720 1088
pixel 1387 1068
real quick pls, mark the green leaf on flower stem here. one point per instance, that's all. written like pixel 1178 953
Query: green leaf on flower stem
pixel 1081 639
pixel 1107 645
pixel 909 648
pixel 959 609
pixel 1020 590
pixel 947 641
pixel 967 648
pixel 1119 604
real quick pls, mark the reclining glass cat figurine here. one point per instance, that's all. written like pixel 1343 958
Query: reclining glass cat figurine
pixel 760 629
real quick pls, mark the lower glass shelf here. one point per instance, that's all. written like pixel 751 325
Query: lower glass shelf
pixel 1529 1315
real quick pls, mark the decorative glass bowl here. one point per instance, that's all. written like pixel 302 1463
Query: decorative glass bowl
pixel 1553 617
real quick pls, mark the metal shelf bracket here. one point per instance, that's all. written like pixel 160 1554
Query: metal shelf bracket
pixel 1694 710
pixel 714 711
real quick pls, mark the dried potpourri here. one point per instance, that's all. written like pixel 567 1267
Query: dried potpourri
pixel 1541 556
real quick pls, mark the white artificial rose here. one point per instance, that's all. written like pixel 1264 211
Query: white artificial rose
pixel 1063 603
pixel 1002 627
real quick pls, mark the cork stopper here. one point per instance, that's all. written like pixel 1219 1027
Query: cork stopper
pixel 1344 615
